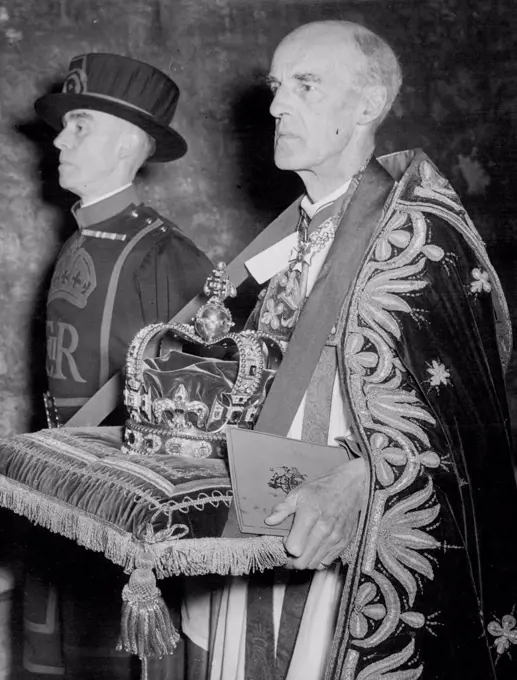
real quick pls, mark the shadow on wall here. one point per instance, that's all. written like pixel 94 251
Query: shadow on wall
pixel 41 137
pixel 268 189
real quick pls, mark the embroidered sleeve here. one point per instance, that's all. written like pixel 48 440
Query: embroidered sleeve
pixel 447 339
pixel 425 383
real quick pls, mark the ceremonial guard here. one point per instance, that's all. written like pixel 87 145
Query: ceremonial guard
pixel 125 267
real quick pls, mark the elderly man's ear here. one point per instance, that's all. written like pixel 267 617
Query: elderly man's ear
pixel 374 98
pixel 130 144
pixel 134 148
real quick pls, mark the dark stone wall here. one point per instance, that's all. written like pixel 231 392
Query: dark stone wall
pixel 457 103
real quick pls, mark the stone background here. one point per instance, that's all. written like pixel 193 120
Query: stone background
pixel 457 103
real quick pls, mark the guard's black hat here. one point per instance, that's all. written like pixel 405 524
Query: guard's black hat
pixel 123 87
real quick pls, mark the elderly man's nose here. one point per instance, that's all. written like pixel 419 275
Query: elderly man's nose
pixel 62 141
pixel 280 103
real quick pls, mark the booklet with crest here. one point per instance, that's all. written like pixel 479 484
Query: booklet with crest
pixel 264 468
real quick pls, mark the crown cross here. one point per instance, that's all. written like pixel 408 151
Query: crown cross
pixel 218 285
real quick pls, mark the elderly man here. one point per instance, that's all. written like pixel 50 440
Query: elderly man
pixel 125 267
pixel 402 559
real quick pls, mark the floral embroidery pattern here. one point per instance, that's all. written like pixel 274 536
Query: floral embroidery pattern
pixel 357 359
pixel 396 236
pixel 271 314
pixel 505 633
pixel 387 457
pixel 394 406
pixel 481 282
pixel 364 608
pixel 440 375
pixel 291 284
pixel 396 536
pixel 390 668
pixel 435 187
pixel 394 420
pixel 401 539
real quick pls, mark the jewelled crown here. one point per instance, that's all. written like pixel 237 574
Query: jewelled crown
pixel 204 378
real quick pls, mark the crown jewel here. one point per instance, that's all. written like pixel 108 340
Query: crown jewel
pixel 181 402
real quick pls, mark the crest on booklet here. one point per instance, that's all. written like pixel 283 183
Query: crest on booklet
pixel 185 383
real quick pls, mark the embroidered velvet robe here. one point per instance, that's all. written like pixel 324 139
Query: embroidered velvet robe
pixel 430 590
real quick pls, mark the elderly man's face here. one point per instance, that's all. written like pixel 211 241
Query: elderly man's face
pixel 88 146
pixel 315 103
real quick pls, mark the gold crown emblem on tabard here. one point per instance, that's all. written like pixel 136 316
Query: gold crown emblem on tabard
pixel 74 277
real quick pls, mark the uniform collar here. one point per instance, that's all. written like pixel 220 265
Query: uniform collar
pixel 87 216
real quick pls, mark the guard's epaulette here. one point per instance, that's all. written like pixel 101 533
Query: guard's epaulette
pixel 150 215
pixel 145 216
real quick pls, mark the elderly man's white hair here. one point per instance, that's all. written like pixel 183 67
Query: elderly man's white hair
pixel 381 64
pixel 377 65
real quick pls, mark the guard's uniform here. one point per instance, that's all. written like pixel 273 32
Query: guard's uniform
pixel 125 267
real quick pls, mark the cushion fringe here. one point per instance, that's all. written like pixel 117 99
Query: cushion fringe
pixel 172 557
pixel 236 556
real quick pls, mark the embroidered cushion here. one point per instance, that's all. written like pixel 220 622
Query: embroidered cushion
pixel 149 514
pixel 76 482
pixel 159 501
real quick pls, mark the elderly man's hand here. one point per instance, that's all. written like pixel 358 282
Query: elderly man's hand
pixel 325 515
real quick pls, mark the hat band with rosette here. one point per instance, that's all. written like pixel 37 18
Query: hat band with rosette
pixel 123 87
pixel 76 82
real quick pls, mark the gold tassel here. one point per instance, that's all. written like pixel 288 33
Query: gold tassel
pixel 146 627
